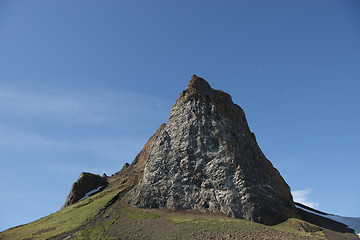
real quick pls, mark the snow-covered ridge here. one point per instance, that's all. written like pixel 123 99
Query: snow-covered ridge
pixel 351 222
pixel 88 194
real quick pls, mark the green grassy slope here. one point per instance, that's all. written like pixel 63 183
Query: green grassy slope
pixel 95 218
pixel 64 220
pixel 106 216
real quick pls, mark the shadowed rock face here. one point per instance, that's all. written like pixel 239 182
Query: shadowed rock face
pixel 131 174
pixel 85 183
pixel 137 166
pixel 206 159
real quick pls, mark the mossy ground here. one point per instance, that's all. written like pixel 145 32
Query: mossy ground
pixel 64 220
pixel 213 225
pixel 291 226
pixel 96 232
pixel 83 221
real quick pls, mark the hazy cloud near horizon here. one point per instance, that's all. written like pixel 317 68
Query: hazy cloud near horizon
pixel 303 197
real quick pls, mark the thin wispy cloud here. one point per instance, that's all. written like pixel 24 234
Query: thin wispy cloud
pixel 98 107
pixel 28 141
pixel 101 121
pixel 303 197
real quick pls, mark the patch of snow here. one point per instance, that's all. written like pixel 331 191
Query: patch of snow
pixel 88 194
pixel 351 222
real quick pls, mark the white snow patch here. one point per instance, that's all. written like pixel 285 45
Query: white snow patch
pixel 351 222
pixel 88 194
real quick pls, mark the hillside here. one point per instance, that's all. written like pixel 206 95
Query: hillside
pixel 106 216
pixel 200 176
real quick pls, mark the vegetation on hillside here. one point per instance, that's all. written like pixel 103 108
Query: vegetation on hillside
pixel 104 216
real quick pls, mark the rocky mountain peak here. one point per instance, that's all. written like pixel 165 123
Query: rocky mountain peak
pixel 199 84
pixel 206 159
pixel 200 88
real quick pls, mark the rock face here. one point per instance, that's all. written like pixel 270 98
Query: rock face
pixel 132 173
pixel 207 159
pixel 84 184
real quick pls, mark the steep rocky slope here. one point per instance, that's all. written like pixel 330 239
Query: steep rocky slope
pixel 132 173
pixel 207 159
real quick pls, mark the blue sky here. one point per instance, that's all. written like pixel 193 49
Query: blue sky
pixel 84 84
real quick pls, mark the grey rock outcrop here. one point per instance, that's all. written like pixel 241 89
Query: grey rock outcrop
pixel 206 159
pixel 84 184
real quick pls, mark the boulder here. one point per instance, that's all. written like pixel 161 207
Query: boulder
pixel 87 183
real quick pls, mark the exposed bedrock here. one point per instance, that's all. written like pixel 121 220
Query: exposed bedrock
pixel 206 159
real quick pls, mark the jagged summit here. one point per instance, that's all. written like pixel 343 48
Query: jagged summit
pixel 199 87
pixel 199 84
pixel 207 159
